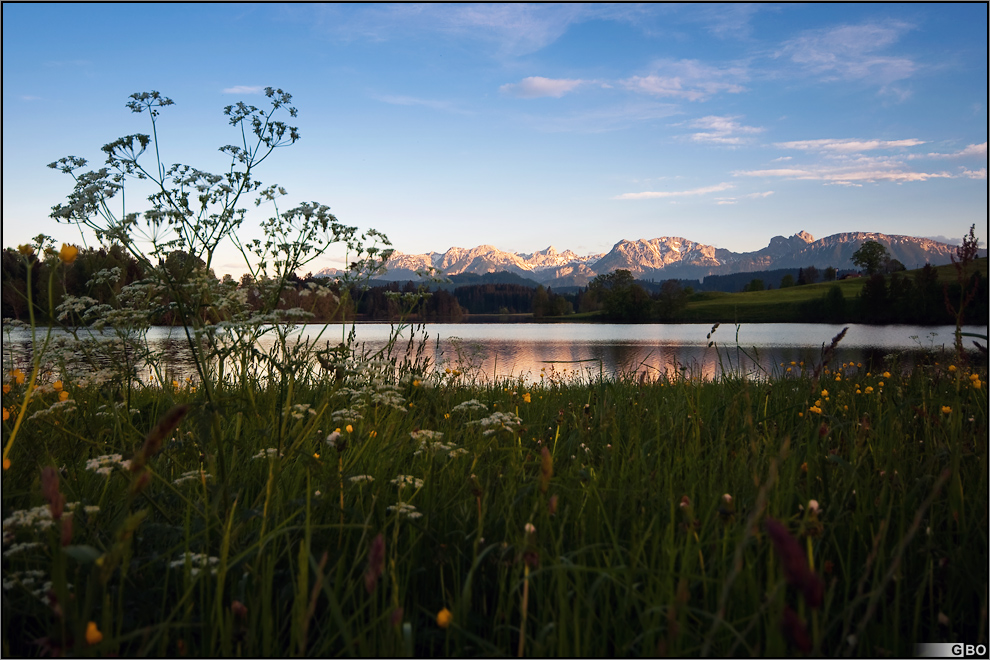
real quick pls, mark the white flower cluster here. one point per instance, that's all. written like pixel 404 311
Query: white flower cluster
pixel 362 479
pixel 28 579
pixel 406 480
pixel 300 410
pixel 405 510
pixel 21 547
pixel 471 405
pixel 507 421
pixel 425 435
pixel 64 407
pixel 346 416
pixel 193 475
pixel 197 562
pixel 40 518
pixel 271 452
pixel 104 464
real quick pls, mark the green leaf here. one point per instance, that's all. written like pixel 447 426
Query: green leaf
pixel 84 554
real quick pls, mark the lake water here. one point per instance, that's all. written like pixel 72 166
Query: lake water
pixel 528 350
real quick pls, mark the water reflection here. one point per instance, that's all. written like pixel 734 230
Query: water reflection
pixel 528 351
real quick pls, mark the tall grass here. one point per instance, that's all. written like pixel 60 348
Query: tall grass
pixel 616 517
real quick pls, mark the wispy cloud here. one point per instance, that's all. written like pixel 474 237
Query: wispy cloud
pixel 973 150
pixel 687 79
pixel 445 106
pixel 679 193
pixel 536 86
pixel 720 130
pixel 975 174
pixel 602 120
pixel 851 52
pixel 244 89
pixel 847 175
pixel 29 97
pixel 847 146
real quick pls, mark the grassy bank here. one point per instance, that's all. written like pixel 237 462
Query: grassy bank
pixel 445 517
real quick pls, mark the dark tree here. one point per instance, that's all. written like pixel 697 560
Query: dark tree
pixel 871 257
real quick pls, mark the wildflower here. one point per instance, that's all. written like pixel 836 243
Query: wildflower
pixel 444 618
pixel 815 409
pixel 869 390
pixel 17 376
pixel 6 388
pixel 238 609
pixel 946 410
pixel 880 384
pixel 362 479
pixel 68 253
pixel 57 386
pixel 350 429
pixel 63 396
pixel 952 368
pixel 376 563
pixel 886 374
pixel 824 393
pixel 530 528
pixel 93 634
pixel 6 414
pixel 526 397
pixel 404 509
pixel 404 479
pixel 6 461
pixel 795 565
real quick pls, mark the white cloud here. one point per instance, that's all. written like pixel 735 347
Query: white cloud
pixel 978 150
pixel 846 175
pixel 680 193
pixel 851 52
pixel 687 79
pixel 847 145
pixel 759 195
pixel 721 130
pixel 782 159
pixel 538 86
pixel 29 97
pixel 975 174
pixel 244 89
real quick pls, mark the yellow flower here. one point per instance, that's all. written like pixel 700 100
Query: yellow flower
pixel 350 429
pixel 6 461
pixel 815 409
pixel 373 434
pixel 415 383
pixel 444 618
pixel 6 414
pixel 93 634
pixel 57 386
pixel 974 376
pixel 800 414
pixel 869 390
pixel 952 368
pixel 316 455
pixel 68 253
pixel 63 395
pixel 976 384
pixel 946 410
pixel 6 388
pixel 18 376
pixel 26 250
pixel 175 384
pixel 838 377
pixel 880 384
pixel 824 392
pixel 446 415
pixel 526 397
pixel 886 374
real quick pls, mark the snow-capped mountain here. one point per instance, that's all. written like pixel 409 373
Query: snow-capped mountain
pixel 667 257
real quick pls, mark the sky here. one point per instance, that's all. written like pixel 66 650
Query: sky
pixel 525 126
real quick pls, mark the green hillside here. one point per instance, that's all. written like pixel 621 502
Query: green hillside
pixel 785 305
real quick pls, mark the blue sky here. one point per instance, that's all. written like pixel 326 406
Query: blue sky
pixel 523 126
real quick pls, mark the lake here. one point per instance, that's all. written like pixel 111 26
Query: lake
pixel 527 350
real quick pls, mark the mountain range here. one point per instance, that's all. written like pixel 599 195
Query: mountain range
pixel 667 257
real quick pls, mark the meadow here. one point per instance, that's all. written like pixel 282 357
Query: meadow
pixel 315 500
pixel 390 508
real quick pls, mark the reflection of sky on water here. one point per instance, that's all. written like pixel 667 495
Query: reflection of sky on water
pixel 522 350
